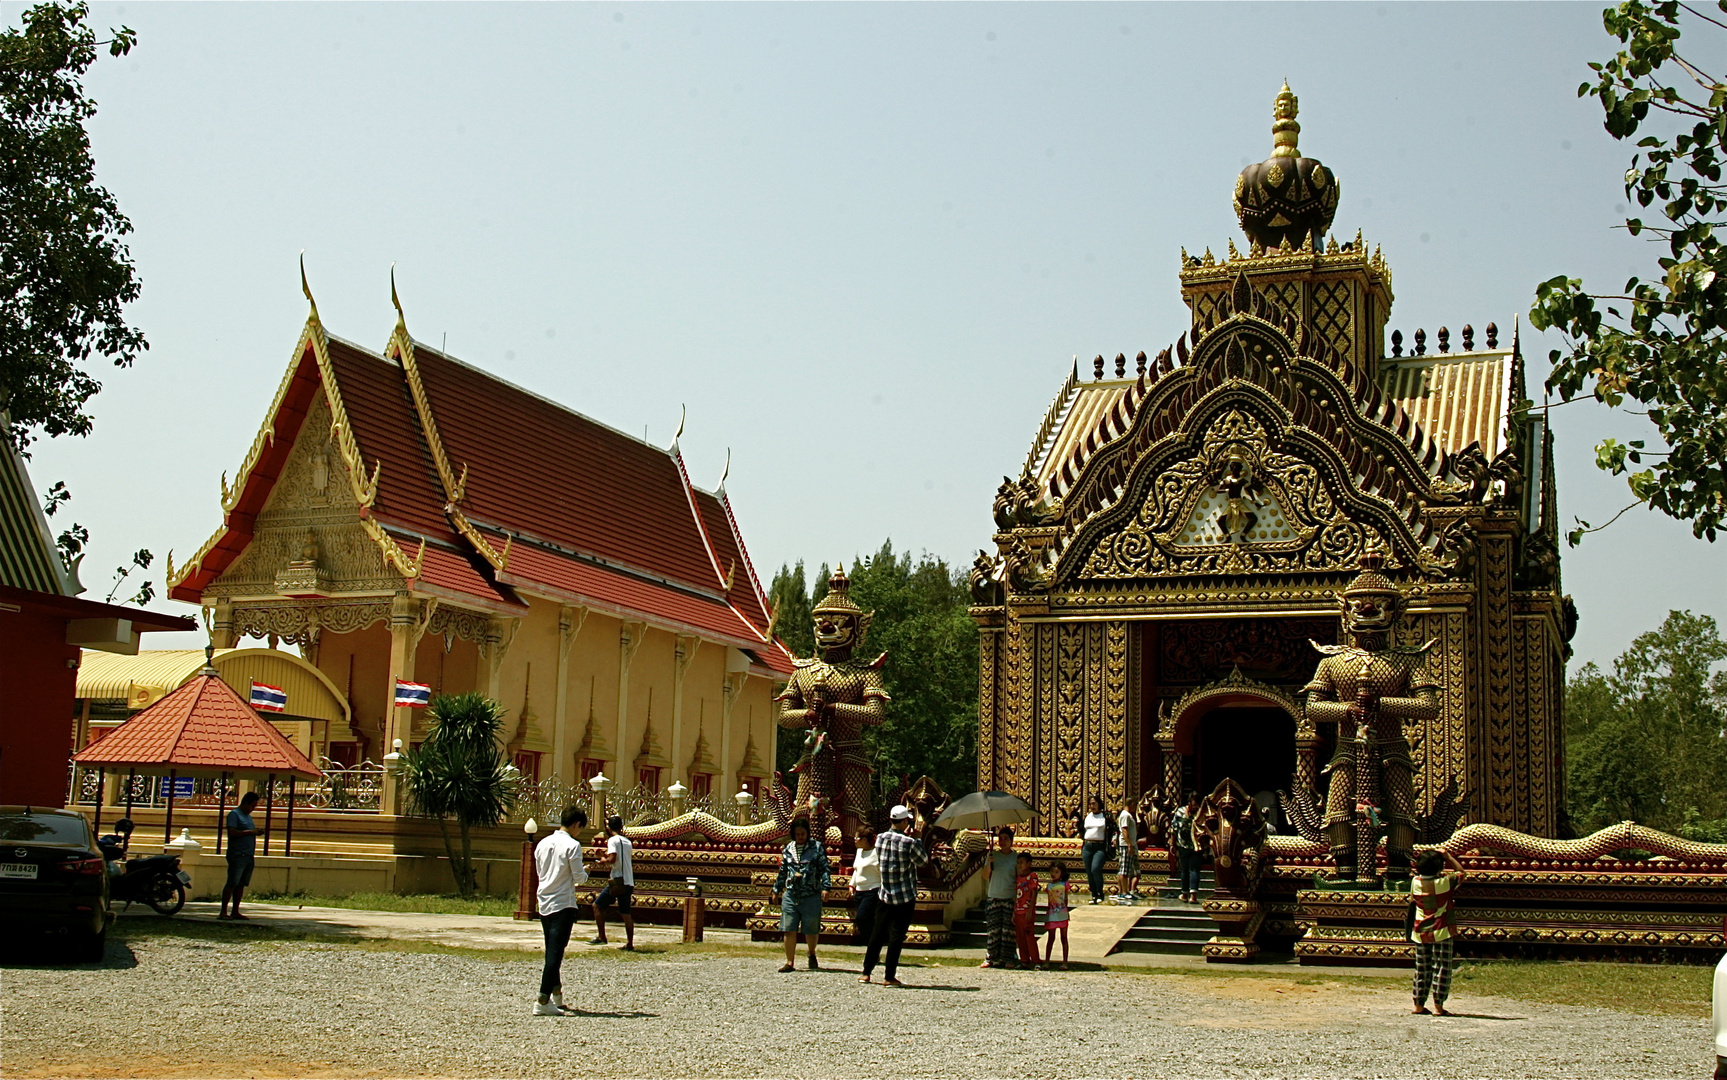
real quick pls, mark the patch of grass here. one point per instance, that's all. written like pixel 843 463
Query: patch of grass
pixel 419 903
pixel 1670 989
pixel 1663 989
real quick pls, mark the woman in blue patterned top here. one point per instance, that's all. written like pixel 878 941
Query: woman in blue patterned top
pixel 804 875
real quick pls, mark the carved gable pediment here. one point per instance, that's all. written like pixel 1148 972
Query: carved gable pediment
pixel 1248 461
pixel 308 539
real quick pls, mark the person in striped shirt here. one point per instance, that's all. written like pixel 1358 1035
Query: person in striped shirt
pixel 1433 891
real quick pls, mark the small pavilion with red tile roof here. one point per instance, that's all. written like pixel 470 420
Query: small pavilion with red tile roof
pixel 403 516
pixel 202 729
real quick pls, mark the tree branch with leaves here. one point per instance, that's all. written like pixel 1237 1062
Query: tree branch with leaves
pixel 1659 342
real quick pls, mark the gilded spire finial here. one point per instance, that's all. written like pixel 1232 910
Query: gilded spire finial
pixel 1284 130
pixel 401 319
pixel 304 287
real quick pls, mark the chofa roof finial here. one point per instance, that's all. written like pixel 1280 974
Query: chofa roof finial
pixel 306 288
pixel 401 319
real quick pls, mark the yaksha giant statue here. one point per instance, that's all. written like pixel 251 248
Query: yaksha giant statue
pixel 834 697
pixel 1370 688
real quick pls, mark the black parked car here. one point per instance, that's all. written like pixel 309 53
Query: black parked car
pixel 53 877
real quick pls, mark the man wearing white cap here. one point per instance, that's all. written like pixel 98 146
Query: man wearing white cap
pixel 901 855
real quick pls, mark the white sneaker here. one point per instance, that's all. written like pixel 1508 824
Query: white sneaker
pixel 558 1000
pixel 547 1008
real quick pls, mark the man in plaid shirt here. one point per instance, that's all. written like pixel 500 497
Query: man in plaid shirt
pixel 901 856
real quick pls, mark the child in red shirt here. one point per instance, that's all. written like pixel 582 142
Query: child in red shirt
pixel 1025 890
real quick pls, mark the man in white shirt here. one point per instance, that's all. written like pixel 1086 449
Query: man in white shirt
pixel 620 887
pixel 558 864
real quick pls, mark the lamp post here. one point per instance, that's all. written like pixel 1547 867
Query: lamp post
pixel 678 794
pixel 743 799
pixel 392 763
pixel 600 785
pixel 528 881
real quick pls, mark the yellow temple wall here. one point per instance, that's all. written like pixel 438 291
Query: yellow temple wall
pixel 528 678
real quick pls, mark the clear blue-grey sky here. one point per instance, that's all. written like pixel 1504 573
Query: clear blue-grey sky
pixel 861 242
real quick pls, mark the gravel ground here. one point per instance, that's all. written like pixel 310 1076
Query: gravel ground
pixel 173 1007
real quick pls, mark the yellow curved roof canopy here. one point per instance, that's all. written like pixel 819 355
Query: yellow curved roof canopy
pixel 142 680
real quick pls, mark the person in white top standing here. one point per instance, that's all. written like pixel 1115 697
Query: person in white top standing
pixel 1720 1016
pixel 866 885
pixel 620 887
pixel 1096 828
pixel 558 863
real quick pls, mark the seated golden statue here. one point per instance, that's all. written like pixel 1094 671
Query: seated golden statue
pixel 1370 688
pixel 835 698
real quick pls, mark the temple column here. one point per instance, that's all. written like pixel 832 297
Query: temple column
pixel 404 638
pixel 1171 760
pixel 630 638
pixel 685 654
pixel 570 620
pixel 222 626
pixel 733 689
pixel 499 634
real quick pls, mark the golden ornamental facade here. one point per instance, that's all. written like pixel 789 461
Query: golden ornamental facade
pixel 1175 545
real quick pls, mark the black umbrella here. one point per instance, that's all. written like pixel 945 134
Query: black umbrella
pixel 985 810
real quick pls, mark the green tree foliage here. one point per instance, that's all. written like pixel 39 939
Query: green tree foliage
pixel 460 772
pixel 65 270
pixel 1660 343
pixel 931 670
pixel 1647 743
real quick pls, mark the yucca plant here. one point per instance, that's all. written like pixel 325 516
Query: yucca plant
pixel 461 772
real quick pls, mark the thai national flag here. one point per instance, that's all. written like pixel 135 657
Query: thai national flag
pixel 412 695
pixel 269 698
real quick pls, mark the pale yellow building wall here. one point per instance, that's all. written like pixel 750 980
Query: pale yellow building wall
pixel 359 663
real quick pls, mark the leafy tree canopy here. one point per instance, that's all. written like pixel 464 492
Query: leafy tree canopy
pixel 931 671
pixel 1647 742
pixel 1659 342
pixel 65 269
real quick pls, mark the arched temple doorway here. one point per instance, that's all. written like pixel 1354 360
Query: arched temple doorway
pixel 1238 728
pixel 1254 745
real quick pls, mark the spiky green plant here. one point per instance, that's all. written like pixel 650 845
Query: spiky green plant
pixel 461 772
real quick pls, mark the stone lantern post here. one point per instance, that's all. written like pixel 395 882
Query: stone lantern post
pixel 743 799
pixel 600 785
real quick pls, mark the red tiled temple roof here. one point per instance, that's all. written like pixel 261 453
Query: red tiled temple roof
pixel 588 513
pixel 202 727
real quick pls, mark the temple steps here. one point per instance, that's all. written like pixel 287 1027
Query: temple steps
pixel 1171 926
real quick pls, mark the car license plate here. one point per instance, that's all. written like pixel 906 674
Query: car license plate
pixel 20 870
pixel 185 878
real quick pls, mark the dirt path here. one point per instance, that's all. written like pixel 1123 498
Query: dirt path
pixel 174 1007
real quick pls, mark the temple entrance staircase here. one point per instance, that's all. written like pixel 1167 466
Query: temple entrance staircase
pixel 1172 927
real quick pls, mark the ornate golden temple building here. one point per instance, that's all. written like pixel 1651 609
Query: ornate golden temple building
pixel 403 516
pixel 1181 528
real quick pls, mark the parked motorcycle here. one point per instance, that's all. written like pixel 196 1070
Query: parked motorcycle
pixel 156 880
